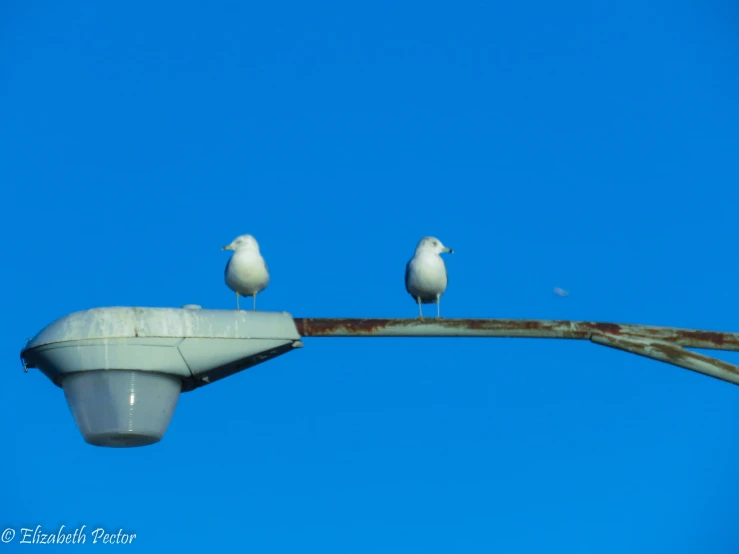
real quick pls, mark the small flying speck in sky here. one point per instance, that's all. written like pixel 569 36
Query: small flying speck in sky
pixel 560 292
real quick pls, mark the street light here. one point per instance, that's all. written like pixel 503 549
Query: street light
pixel 122 369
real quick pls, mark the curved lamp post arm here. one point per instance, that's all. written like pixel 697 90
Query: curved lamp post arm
pixel 665 344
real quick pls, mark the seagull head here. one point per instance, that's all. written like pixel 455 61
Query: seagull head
pixel 432 244
pixel 243 242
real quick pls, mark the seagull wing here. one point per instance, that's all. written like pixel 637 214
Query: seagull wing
pixel 408 274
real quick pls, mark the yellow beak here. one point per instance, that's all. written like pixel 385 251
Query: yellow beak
pixel 227 247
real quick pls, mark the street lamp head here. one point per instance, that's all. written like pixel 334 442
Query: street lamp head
pixel 122 369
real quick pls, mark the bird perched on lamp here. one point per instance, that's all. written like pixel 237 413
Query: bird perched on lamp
pixel 246 272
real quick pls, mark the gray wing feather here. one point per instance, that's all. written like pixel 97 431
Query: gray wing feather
pixel 407 274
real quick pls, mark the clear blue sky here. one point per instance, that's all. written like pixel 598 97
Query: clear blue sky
pixel 592 146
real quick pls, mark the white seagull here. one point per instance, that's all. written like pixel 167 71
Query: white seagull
pixel 426 276
pixel 246 272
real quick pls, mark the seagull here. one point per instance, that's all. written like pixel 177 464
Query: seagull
pixel 246 272
pixel 426 275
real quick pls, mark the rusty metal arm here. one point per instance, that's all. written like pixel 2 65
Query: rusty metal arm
pixel 665 344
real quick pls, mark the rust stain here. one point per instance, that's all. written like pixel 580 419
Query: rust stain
pixel 609 328
pixel 694 338
pixel 704 336
pixel 323 326
pixel 474 324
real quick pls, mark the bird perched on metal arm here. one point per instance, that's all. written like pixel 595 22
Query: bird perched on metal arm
pixel 426 276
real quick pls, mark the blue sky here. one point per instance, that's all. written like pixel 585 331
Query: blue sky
pixel 586 145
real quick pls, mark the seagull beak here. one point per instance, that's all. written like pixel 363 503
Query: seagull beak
pixel 227 247
pixel 445 249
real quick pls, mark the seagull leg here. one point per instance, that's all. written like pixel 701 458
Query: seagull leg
pixel 438 306
pixel 254 305
pixel 237 301
pixel 420 309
